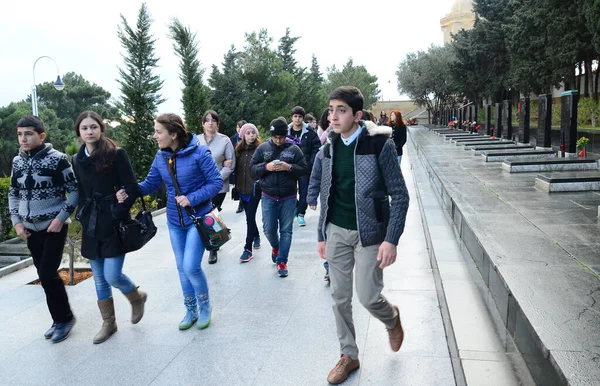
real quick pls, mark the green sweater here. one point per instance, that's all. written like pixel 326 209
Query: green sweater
pixel 343 207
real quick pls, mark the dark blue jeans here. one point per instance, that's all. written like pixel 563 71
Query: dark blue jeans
pixel 279 214
pixel 302 192
pixel 250 207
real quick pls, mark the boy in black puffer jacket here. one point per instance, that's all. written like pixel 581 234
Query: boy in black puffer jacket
pixel 278 164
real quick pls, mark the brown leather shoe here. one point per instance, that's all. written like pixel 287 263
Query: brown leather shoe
pixel 342 369
pixel 397 333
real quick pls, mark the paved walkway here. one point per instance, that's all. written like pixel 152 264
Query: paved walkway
pixel 265 330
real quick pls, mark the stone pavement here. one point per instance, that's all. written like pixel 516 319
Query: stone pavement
pixel 265 330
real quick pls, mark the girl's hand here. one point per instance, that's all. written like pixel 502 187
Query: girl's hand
pixel 121 196
pixel 182 201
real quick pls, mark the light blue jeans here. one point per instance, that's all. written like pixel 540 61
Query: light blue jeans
pixel 108 273
pixel 189 249
pixel 279 214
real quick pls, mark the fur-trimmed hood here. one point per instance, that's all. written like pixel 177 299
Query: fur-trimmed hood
pixel 373 129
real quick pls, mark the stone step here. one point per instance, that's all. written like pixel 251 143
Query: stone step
pixel 550 164
pixel 458 135
pixel 478 149
pixel 501 155
pixel 485 143
pixel 473 139
pixel 14 249
pixel 568 181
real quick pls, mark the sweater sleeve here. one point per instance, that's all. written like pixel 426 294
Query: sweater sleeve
pixel 314 186
pixel 396 188
pixel 65 168
pixel 13 198
pixel 229 155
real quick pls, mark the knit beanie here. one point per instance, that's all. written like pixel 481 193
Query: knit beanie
pixel 278 127
pixel 245 128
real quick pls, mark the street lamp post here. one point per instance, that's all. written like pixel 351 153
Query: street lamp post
pixel 59 85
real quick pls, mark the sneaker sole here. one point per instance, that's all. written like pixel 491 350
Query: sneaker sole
pixel 203 326
pixel 282 274
pixel 246 260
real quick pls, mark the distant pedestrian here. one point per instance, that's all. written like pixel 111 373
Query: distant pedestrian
pixel 311 122
pixel 359 227
pixel 309 143
pixel 324 126
pixel 234 141
pixel 247 187
pixel 102 169
pixel 222 152
pixel 399 131
pixel 43 194
pixel 278 164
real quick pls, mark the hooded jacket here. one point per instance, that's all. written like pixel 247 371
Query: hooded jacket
pixel 197 176
pixel 309 143
pixel 377 219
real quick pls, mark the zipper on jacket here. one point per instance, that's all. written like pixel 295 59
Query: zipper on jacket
pixel 176 204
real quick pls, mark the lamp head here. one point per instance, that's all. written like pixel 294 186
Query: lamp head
pixel 59 85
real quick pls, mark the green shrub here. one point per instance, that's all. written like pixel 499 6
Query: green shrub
pixel 151 205
pixel 588 112
pixel 4 213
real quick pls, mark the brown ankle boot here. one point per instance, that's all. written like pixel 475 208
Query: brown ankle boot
pixel 397 333
pixel 137 300
pixel 109 326
pixel 342 369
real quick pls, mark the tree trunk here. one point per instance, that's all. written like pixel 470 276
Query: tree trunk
pixel 595 92
pixel 588 70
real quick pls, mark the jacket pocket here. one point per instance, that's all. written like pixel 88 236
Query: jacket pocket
pixel 382 209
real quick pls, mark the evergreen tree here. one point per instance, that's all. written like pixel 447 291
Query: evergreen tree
pixel 195 95
pixel 263 71
pixel 356 76
pixel 286 52
pixel 231 96
pixel 140 90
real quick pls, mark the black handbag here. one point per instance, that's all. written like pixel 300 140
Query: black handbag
pixel 211 228
pixel 134 233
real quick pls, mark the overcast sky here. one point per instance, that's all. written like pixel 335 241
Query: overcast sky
pixel 82 37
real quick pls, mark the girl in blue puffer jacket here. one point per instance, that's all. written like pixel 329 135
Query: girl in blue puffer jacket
pixel 199 180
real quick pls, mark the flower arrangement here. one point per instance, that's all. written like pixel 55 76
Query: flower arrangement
pixel 582 142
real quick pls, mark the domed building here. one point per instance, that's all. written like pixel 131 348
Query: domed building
pixel 461 16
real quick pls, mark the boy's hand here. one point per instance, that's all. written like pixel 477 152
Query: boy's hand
pixel 386 254
pixel 22 232
pixel 321 249
pixel 313 207
pixel 228 163
pixel 55 226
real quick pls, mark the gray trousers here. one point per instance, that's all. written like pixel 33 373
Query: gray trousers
pixel 344 251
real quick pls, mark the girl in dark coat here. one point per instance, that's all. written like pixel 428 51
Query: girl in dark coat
pixel 101 169
pixel 245 184
pixel 398 131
